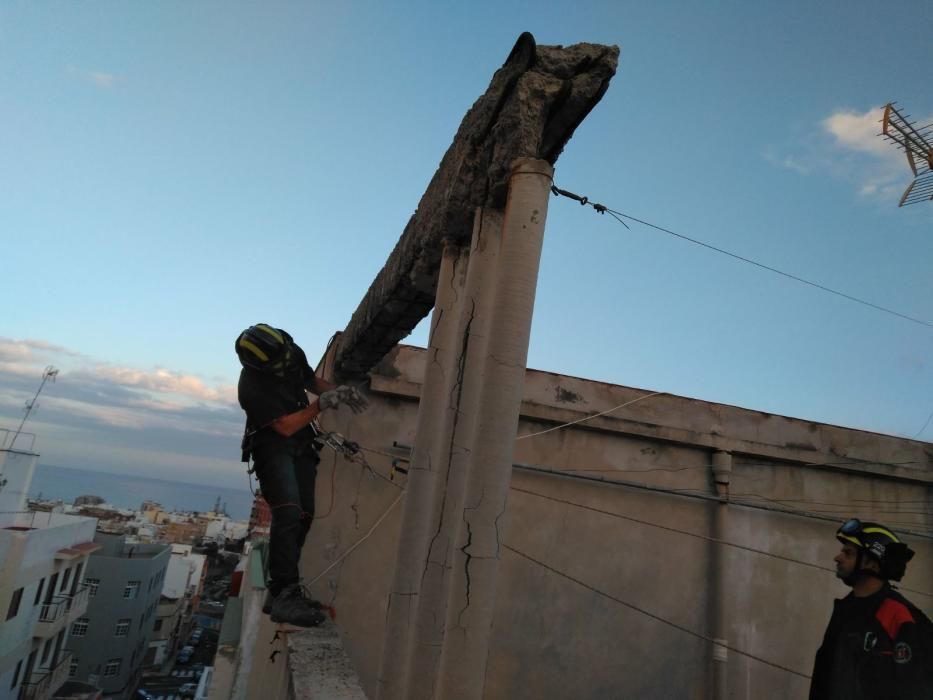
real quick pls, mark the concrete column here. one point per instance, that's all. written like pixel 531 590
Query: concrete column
pixel 464 391
pixel 422 490
pixel 476 550
pixel 722 472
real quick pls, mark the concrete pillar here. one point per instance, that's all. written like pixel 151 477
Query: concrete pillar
pixel 476 549
pixel 722 472
pixel 464 391
pixel 421 494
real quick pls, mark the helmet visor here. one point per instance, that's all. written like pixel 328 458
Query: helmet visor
pixel 852 526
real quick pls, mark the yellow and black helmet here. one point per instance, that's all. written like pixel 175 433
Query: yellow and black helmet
pixel 264 348
pixel 880 542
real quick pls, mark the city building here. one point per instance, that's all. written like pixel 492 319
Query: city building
pixel 109 642
pixel 44 556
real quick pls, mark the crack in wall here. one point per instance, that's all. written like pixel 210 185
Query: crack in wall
pixel 466 571
pixel 456 389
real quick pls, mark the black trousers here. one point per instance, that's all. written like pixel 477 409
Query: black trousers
pixel 286 477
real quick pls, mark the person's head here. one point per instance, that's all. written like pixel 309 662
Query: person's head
pixel 266 349
pixel 870 550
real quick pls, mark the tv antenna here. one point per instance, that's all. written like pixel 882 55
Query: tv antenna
pixel 49 374
pixel 916 144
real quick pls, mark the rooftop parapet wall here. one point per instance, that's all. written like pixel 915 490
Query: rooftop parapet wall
pixel 554 399
pixel 531 109
pixel 641 529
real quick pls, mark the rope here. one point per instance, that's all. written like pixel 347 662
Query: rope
pixel 619 215
pixel 595 415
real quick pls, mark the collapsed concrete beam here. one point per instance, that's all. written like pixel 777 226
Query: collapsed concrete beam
pixel 532 106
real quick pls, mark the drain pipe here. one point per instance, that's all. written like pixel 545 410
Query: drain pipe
pixel 722 473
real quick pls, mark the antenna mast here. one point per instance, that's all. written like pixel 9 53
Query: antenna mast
pixel 49 374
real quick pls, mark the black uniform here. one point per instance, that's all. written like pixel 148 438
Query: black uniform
pixel 286 466
pixel 875 648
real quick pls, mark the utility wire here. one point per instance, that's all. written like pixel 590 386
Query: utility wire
pixel 714 540
pixel 920 432
pixel 619 215
pixel 590 417
pixel 693 493
pixel 658 618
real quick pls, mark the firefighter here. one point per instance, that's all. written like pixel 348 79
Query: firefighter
pixel 877 645
pixel 280 440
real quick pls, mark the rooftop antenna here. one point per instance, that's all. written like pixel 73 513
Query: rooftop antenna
pixel 916 144
pixel 49 374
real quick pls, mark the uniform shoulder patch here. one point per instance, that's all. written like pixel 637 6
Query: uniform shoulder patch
pixel 892 614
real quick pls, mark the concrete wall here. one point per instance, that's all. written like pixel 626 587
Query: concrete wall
pixel 16 469
pixel 607 590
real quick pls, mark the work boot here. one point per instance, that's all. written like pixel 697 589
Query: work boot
pixel 267 602
pixel 295 608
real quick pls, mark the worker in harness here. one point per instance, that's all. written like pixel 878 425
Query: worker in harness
pixel 280 439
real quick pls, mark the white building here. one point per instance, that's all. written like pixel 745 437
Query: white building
pixel 44 558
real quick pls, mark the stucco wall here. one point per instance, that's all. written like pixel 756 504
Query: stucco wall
pixel 606 590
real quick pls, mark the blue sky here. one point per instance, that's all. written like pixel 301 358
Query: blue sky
pixel 173 172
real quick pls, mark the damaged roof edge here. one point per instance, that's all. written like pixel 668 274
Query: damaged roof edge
pixel 532 107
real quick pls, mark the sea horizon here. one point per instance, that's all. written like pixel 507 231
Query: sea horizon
pixel 55 482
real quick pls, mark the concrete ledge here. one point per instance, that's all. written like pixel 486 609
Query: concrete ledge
pixel 320 668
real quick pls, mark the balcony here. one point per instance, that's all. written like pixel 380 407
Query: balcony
pixel 60 611
pixel 45 681
pixel 76 604
pixel 51 617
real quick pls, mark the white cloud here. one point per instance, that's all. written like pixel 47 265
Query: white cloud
pixel 101 79
pixel 29 349
pixel 854 152
pixel 860 131
pixel 166 381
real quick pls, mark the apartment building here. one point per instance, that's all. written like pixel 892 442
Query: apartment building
pixel 109 642
pixel 44 557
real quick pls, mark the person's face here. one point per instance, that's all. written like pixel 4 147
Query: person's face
pixel 845 561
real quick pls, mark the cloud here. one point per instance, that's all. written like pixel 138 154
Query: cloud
pixel 30 349
pixel 165 381
pixel 860 131
pixel 847 146
pixel 103 80
pixel 180 415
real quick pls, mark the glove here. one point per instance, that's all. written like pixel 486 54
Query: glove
pixel 343 394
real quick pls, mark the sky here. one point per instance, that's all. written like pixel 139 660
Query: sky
pixel 173 172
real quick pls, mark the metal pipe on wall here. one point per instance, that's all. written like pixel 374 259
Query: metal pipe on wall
pixel 722 472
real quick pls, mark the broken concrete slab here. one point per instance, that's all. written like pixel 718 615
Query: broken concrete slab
pixel 531 109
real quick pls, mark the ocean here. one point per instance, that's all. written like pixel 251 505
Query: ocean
pixel 66 484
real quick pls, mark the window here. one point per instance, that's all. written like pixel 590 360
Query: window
pixel 65 580
pixel 39 592
pixel 14 604
pixel 73 668
pixel 112 668
pixel 92 584
pixel 19 667
pixel 123 627
pixel 157 626
pixel 45 650
pixel 79 627
pixel 131 590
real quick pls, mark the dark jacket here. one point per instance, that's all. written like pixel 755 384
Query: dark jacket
pixel 265 396
pixel 875 648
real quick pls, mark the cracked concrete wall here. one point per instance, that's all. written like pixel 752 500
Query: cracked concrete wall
pixel 555 638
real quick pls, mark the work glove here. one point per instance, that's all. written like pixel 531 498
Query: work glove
pixel 343 394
